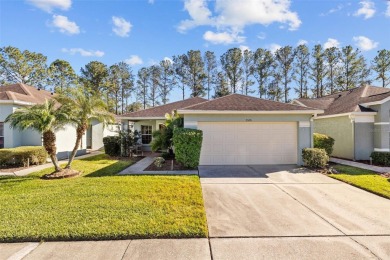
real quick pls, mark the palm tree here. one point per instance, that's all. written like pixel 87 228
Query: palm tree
pixel 45 118
pixel 84 108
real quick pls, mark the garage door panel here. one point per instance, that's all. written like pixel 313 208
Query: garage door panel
pixel 248 143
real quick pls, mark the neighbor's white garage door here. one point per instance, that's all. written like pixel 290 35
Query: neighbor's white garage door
pixel 240 143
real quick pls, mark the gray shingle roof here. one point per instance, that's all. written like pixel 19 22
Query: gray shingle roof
pixel 348 101
pixel 160 111
pixel 237 102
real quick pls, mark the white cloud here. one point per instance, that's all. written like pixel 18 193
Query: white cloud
pixel 151 2
pixel 302 42
pixel 331 43
pixel 134 60
pixel 121 26
pixel 244 48
pixel 82 52
pixel 64 25
pixel 168 59
pixel 274 47
pixel 388 9
pixel 364 43
pixel 49 5
pixel 234 15
pixel 367 9
pixel 223 37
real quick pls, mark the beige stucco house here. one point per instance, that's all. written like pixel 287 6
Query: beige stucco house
pixel 237 129
pixel 358 120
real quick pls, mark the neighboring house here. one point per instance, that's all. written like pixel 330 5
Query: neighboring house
pixel 19 95
pixel 148 120
pixel 240 130
pixel 96 131
pixel 358 120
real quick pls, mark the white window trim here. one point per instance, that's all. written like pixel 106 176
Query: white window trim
pixel 382 123
pixel 151 135
pixel 381 150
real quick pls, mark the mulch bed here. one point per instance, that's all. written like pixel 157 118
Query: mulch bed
pixel 65 173
pixel 167 166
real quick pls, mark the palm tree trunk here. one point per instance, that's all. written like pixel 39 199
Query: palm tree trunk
pixel 49 142
pixel 80 131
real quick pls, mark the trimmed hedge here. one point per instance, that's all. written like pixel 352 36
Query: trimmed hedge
pixel 188 143
pixel 322 141
pixel 381 158
pixel 112 145
pixel 315 157
pixel 20 156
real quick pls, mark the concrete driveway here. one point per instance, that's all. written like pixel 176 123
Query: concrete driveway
pixel 282 211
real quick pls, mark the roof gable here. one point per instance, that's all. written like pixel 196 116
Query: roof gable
pixel 20 92
pixel 238 102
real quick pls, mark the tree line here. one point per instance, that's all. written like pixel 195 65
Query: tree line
pixel 261 72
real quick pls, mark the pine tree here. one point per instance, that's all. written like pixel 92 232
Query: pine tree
pixel 211 70
pixel 353 70
pixel 231 64
pixel 332 57
pixel 302 66
pixel 155 74
pixel 143 86
pixel 318 72
pixel 284 58
pixel 61 76
pixel 180 72
pixel 195 73
pixel 264 65
pixel 167 81
pixel 221 86
pixel 381 65
pixel 248 70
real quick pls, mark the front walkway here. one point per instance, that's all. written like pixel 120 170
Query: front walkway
pixel 36 168
pixel 139 167
pixel 361 165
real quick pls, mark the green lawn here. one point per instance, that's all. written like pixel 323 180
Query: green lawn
pixel 98 205
pixel 364 179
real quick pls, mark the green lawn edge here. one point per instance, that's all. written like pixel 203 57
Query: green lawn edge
pixel 363 179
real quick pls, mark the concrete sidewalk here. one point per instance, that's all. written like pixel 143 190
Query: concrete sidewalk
pixel 361 165
pixel 311 247
pixel 36 168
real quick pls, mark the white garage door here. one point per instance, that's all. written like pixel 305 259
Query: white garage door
pixel 240 143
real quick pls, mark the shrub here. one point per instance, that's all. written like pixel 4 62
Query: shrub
pixel 20 156
pixel 188 143
pixel 315 157
pixel 159 161
pixel 322 141
pixel 381 158
pixel 112 145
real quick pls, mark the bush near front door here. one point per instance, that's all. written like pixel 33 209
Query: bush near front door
pixel 187 143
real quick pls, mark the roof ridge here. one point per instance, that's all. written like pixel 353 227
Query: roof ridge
pixel 25 89
pixel 10 95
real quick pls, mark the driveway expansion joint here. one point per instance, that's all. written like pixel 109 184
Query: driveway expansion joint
pixel 124 253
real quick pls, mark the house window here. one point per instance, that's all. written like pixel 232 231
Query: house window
pixel 1 135
pixel 146 133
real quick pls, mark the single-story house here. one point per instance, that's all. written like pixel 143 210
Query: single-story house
pixel 244 130
pixel 148 120
pixel 19 95
pixel 358 120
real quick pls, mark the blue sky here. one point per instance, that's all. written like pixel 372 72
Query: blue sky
pixel 143 32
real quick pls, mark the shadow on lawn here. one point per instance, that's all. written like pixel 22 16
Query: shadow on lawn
pixel 111 170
